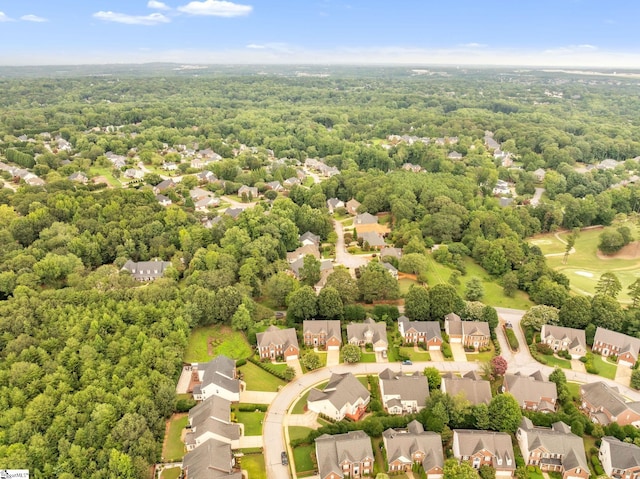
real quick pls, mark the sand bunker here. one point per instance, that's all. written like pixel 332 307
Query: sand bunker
pixel 586 274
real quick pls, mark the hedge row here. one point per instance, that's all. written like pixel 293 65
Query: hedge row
pixel 268 368
pixel 252 407
pixel 511 338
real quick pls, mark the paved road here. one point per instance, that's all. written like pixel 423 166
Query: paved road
pixel 343 257
pixel 536 196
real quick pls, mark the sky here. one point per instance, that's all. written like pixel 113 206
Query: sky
pixel 554 33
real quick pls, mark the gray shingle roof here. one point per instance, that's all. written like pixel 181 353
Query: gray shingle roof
pixel 622 341
pixel 143 270
pixel 340 390
pixel 368 331
pixel 530 388
pixel 623 455
pixel 430 328
pixel 274 335
pixel 410 388
pixel 476 391
pixel 600 394
pixel 365 219
pixel 498 443
pixel 318 326
pixel 404 443
pixel 220 371
pixel 211 460
pixel 575 337
pixel 353 446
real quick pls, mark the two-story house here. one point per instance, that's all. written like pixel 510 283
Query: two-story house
pixel 415 332
pixel 211 419
pixel 275 343
pixel 344 455
pixel 249 192
pixel 480 448
pixel 619 459
pixel 343 396
pixel 212 460
pixel 604 404
pixel 564 339
pixel 368 332
pixel 216 377
pixel 403 394
pixel 471 387
pixel 612 343
pixel 472 334
pixel 146 270
pixel 414 445
pixel 322 333
pixel 533 393
pixel 554 449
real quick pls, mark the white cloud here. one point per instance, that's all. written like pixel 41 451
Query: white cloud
pixel 152 19
pixel 156 5
pixel 33 18
pixel 275 46
pixel 473 45
pixel 255 46
pixel 216 8
pixel 5 18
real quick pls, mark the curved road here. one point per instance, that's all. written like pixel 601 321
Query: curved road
pixel 273 433
pixel 343 257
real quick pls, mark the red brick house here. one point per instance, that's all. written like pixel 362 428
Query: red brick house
pixel 472 334
pixel 322 333
pixel 277 343
pixel 480 448
pixel 414 446
pixel 415 332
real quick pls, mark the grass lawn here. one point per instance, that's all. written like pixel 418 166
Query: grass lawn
pixel 174 447
pixel 555 361
pixel 298 432
pixel 605 368
pixel 493 294
pixel 534 474
pixel 379 459
pixel 574 389
pixel 368 358
pixel 173 473
pixel 404 284
pixel 364 381
pixel 216 340
pixel 304 457
pixel 302 402
pixel 413 355
pixel 107 173
pixel 252 422
pixel 482 357
pixel 254 465
pixel 258 379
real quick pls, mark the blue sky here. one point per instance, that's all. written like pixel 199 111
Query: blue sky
pixel 492 32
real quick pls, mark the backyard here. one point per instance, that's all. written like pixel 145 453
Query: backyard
pixel 258 379
pixel 207 342
pixel 173 448
pixel 254 465
pixel 171 473
pixel 305 459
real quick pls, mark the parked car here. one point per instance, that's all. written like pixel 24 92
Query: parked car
pixel 407 362
pixel 284 458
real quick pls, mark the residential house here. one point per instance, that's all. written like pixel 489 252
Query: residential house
pixel 206 177
pixel 480 448
pixel 501 188
pixel 163 200
pixel 604 404
pixel 472 334
pixel 163 186
pixel 146 270
pixel 33 180
pixel 302 251
pixel 274 185
pixel 211 460
pixel 373 239
pixel 564 339
pixel 250 192
pixel 169 166
pixel 391 252
pixel 393 271
pixel 275 343
pixel 323 333
pixel 215 378
pixel 78 177
pixel 133 174
pixel 197 194
pixel 352 206
pixel 368 332
pixel 427 332
pixel 554 449
pixel 411 167
pixel 333 204
pixel 471 387
pixel 233 212
pixel 344 455
pixel 365 219
pixel 205 203
pixel 291 182
pixel 343 396
pixel 414 445
pixel 455 156
pixel 402 394
pixel 619 459
pixel 326 265
pixel 533 393
pixel 612 343
pixel 491 143
pixel 211 419
pixel 539 175
pixel 309 238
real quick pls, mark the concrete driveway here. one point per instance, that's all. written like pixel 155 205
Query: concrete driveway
pixel 458 352
pixel 623 375
pixel 295 364
pixel 333 357
pixel 250 441
pixel 380 358
pixel 344 258
pixel 577 365
pixel 257 397
pixel 436 356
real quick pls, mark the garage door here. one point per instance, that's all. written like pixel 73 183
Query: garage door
pixel 333 348
pixel 625 363
pixel 291 358
pixel 434 347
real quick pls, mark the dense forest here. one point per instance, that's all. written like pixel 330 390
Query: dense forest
pixel 89 358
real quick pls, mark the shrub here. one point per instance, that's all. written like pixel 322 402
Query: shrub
pixel 252 407
pixel 184 405
pixel 543 348
pixel 266 365
pixel 240 362
pixel 446 351
pixel 511 338
pixel 597 466
pixel 564 354
pixel 496 345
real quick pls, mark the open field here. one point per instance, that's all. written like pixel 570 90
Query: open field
pixel 258 379
pixel 493 294
pixel 585 266
pixel 207 342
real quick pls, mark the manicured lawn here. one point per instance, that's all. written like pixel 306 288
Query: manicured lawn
pixel 379 459
pixel 534 474
pixel 252 422
pixel 174 447
pixel 368 358
pixel 482 357
pixel 574 389
pixel 493 294
pixel 605 368
pixel 404 284
pixel 364 381
pixel 254 465
pixel 258 379
pixel 555 361
pixel 207 342
pixel 302 402
pixel 173 473
pixel 298 432
pixel 304 457
pixel 413 355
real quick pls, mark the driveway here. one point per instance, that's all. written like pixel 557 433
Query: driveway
pixel 623 375
pixel 458 352
pixel 333 357
pixel 436 355
pixel 577 365
pixel 344 258
pixel 295 364
pixel 250 441
pixel 380 358
pixel 257 397
pixel 308 419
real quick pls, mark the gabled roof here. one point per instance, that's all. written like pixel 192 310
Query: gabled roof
pixel 475 328
pixel 212 415
pixel 354 446
pixel 341 389
pixel 211 460
pixel 530 388
pixel 497 443
pixel 575 337
pixel 233 212
pixel 318 326
pixel 310 237
pixel 412 387
pixel 146 269
pixel 220 371
pixel 371 237
pixel 601 395
pixel 365 219
pixel 402 444
pixel 623 454
pixel 274 335
pixel 431 329
pixel 358 331
pixel 622 341
pixel 475 390
pixel 389 251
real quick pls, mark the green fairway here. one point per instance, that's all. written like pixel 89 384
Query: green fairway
pixel 258 379
pixel 207 342
pixel 254 465
pixel 174 447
